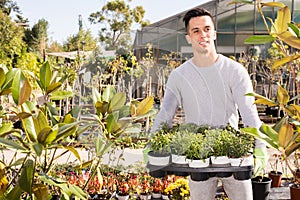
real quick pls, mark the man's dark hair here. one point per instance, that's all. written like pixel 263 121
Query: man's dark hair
pixel 196 12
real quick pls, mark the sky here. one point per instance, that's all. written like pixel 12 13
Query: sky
pixel 63 15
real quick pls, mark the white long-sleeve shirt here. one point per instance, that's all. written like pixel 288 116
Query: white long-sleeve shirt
pixel 209 95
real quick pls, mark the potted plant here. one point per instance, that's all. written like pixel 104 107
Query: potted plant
pixel 159 147
pixel 217 138
pixel 284 135
pixel 123 191
pixel 179 190
pixel 275 174
pixel 240 147
pixel 179 145
pixel 157 188
pixel 198 152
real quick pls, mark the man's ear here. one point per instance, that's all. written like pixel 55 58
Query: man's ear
pixel 188 39
pixel 215 35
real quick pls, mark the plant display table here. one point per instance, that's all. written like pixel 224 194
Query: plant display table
pixel 201 174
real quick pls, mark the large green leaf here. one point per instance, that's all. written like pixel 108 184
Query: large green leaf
pixel 108 92
pixel 66 130
pixel 10 75
pixel 262 100
pixel 26 177
pixel 295 29
pixel 45 76
pixel 17 84
pixel 96 95
pixel 74 151
pixel 6 128
pixel 25 92
pixel 259 39
pixel 60 95
pixel 40 122
pixel 2 78
pixel 41 191
pixel 53 87
pixel 11 144
pixel 117 101
pixel 15 193
pixel 44 134
pixel 37 148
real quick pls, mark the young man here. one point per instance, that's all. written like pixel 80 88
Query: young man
pixel 211 89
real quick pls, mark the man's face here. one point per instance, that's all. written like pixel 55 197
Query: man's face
pixel 201 34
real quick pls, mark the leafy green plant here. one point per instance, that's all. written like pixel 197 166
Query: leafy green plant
pixel 181 141
pixel 43 132
pixel 284 136
pixel 160 141
pixel 197 149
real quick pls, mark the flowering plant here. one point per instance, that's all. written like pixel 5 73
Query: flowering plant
pixel 158 185
pixel 144 182
pixel 179 190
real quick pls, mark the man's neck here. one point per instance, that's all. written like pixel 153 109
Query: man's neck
pixel 205 60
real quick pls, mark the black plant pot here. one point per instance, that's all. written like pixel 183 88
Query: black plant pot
pixel 55 197
pixel 243 175
pixel 261 188
pixel 196 176
pixel 158 173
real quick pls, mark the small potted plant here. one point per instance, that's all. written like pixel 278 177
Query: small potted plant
pixel 157 188
pixel 123 191
pixel 275 174
pixel 179 190
pixel 217 138
pixel 240 147
pixel 159 147
pixel 198 152
pixel 179 145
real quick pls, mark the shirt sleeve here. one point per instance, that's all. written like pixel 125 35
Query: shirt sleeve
pixel 241 86
pixel 169 105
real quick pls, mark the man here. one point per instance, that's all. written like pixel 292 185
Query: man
pixel 211 89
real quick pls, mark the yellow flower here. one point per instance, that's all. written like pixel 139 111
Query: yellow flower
pixel 3 180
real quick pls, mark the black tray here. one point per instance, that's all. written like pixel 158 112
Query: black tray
pixel 201 174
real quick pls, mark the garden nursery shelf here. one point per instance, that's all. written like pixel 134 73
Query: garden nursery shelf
pixel 202 174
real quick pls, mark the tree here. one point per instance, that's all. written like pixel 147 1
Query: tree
pixel 116 19
pixel 7 6
pixel 36 37
pixel 11 43
pixel 82 41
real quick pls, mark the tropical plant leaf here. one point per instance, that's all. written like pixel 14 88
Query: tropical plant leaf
pixel 25 92
pixel 289 39
pixel 40 191
pixel 6 128
pixel 282 20
pixel 259 39
pixel 12 145
pixel 17 83
pixel 15 193
pixel 60 95
pixel 45 76
pixel 117 101
pixel 144 106
pixel 284 60
pixel 53 87
pixel 96 95
pixel 295 29
pixel 2 77
pixel 282 96
pixel 273 4
pixel 26 177
pixel 44 134
pixel 108 92
pixel 37 148
pixel 285 134
pixel 74 151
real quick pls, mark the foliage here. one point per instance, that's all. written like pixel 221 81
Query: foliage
pixel 115 20
pixel 36 37
pixel 11 43
pixel 82 41
pixel 42 133
pixel 160 140
pixel 181 141
pixel 284 136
